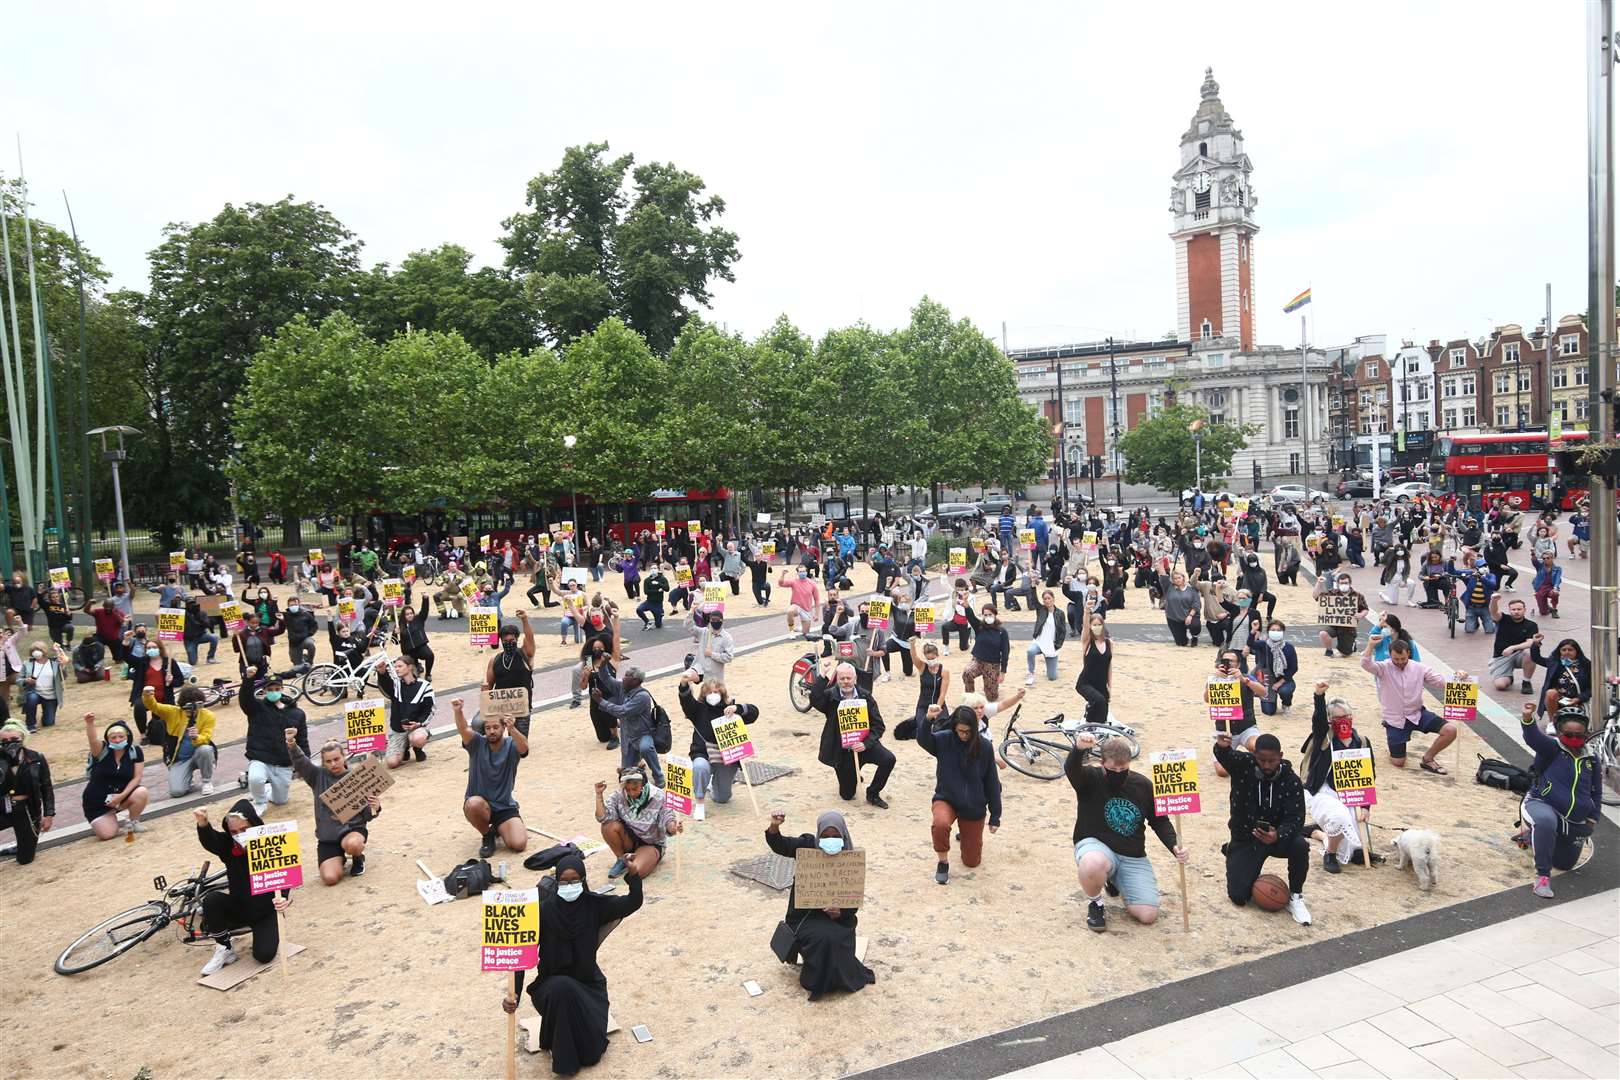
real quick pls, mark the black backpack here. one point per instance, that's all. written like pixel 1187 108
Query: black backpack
pixel 663 738
pixel 471 878
pixel 1496 773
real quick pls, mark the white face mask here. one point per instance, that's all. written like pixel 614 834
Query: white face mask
pixel 571 890
pixel 712 699
pixel 1275 635
pixel 1344 586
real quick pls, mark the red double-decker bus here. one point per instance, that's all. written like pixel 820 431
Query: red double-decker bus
pixel 616 520
pixel 1510 465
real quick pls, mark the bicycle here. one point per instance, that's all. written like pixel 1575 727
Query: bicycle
pixel 327 684
pixel 1043 757
pixel 800 679
pixel 223 692
pixel 179 903
pixel 1605 744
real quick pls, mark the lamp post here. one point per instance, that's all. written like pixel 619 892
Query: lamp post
pixel 573 494
pixel 115 456
pixel 1063 422
pixel 1113 445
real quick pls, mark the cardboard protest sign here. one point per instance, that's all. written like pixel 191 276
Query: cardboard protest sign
pixel 1225 702
pixel 365 726
pixel 346 609
pixel 567 530
pixel 678 784
pixel 829 881
pixel 853 722
pixel 314 557
pixel 177 560
pixel 1175 781
pixel 171 623
pixel 660 527
pixel 393 592
pixel 483 626
pixel 978 543
pixel 1338 609
pixel 578 575
pixel 923 616
pixel 1462 700
pixel 484 543
pixel 1026 539
pixel 1353 777
pixel 366 778
pixel 60 578
pixel 408 572
pixel 957 558
pixel 104 569
pixel 459 542
pixel 273 859
pixel 234 616
pixel 511 930
pixel 731 735
pixel 213 605
pixel 1338 521
pixel 512 701
pixel 877 614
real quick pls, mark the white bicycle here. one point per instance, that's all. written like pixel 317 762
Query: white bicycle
pixel 328 684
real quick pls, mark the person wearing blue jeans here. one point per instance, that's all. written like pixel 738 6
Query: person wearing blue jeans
pixel 1276 663
pixel 1478 585
pixel 633 707
pixel 1050 629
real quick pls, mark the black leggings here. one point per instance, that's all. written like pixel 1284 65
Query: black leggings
pixel 961 631
pixel 22 822
pixel 1220 631
pixel 1096 703
pixel 904 649
pixel 221 913
pixel 301 650
pixel 762 592
pixel 543 590
pixel 1184 633
pixel 425 655
pixel 1245 859
pixel 1270 599
pixel 1506 575
pixel 874 754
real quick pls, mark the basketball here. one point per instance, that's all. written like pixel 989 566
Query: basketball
pixel 1270 893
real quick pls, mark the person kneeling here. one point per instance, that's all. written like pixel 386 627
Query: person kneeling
pixel 1267 821
pixel 334 839
pixel 1112 804
pixel 635 822
pixel 822 938
pixel 236 907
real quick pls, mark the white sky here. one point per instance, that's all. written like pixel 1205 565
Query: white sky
pixel 1420 165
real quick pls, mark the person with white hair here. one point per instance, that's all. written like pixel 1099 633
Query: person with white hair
pixel 1333 727
pixel 826 695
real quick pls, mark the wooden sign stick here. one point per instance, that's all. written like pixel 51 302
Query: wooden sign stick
pixel 281 949
pixel 1181 869
pixel 1367 828
pixel 511 1029
pixel 742 767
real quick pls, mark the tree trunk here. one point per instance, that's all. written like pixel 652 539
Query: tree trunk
pixel 885 500
pixel 865 510
pixel 933 497
pixel 787 508
pixel 291 529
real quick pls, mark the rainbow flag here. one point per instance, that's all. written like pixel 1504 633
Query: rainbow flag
pixel 1297 302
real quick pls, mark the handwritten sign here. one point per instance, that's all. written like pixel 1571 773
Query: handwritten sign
pixel 512 701
pixel 346 610
pixel 1353 777
pixel 877 614
pixel 483 626
pixel 1225 702
pixel 511 930
pixel 1175 781
pixel 273 859
pixel 60 578
pixel 714 598
pixel 1462 700
pixel 678 784
pixel 234 616
pixel 923 616
pixel 365 728
pixel 1026 539
pixel 393 592
pixel 853 723
pixel 314 557
pixel 731 735
pixel 829 881
pixel 366 779
pixel 171 623
pixel 1339 609
pixel 957 558
pixel 104 569
pixel 177 560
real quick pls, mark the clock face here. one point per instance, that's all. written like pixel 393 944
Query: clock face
pixel 1201 183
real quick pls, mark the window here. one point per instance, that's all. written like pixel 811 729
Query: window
pixel 1153 360
pixel 1215 402
pixel 1422 422
pixel 1504 416
pixel 1451 418
pixel 1366 424
pixel 1215 360
pixel 1203 149
pixel 1366 400
pixel 1372 371
pixel 1562 405
pixel 1293 464
pixel 1381 395
pixel 1467 416
pixel 1569 345
pixel 1504 382
pixel 1524 380
pixel 1459 358
pixel 1413 367
pixel 1510 353
pixel 1466 386
pixel 1560 377
pixel 1291 423
pixel 1423 390
pixel 1580 408
pixel 1206 331
pixel 1448 387
pixel 1201 200
pixel 1580 375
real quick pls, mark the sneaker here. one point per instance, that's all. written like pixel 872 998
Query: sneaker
pixel 139 826
pixel 1330 862
pixel 942 873
pixel 1554 613
pixel 208 787
pixel 612 744
pixel 697 810
pixel 1029 680
pixel 944 650
pixel 241 781
pixel 884 677
pixel 357 866
pixel 419 754
pixel 1525 687
pixel 1542 889
pixel 574 704
pixel 618 868
pixel 223 955
pixel 1327 652
pixel 1095 918
pixel 487 848
pixel 1297 908
pixel 876 800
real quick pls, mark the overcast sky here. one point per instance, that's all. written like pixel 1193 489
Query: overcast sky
pixel 1422 166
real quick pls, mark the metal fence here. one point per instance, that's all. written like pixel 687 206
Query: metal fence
pixel 145 547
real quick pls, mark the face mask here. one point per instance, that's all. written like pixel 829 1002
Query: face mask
pixel 571 890
pixel 13 749
pixel 116 745
pixel 1243 601
pixel 293 608
pixel 832 845
pixel 715 624
pixel 1199 544
pixel 1341 729
pixel 712 699
pixel 37 657
pixel 1116 780
pixel 1344 586
pixel 1274 635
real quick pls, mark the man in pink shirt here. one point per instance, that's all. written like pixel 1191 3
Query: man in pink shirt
pixel 1400 699
pixel 804 600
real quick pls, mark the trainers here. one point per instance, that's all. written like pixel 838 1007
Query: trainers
pixel 223 955
pixel 944 650
pixel 876 800
pixel 487 848
pixel 613 744
pixel 1029 680
pixel 1542 889
pixel 618 868
pixel 942 873
pixel 139 826
pixel 419 753
pixel 1525 687
pixel 574 704
pixel 884 677
pixel 1327 652
pixel 1330 862
pixel 697 810
pixel 208 787
pixel 1297 908
pixel 1095 918
pixel 357 866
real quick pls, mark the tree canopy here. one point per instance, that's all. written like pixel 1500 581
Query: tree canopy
pixel 1161 449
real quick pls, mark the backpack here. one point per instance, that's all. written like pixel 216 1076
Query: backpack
pixel 1496 773
pixel 471 878
pixel 663 738
pixel 551 856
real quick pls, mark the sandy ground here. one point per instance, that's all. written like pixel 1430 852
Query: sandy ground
pixel 389 987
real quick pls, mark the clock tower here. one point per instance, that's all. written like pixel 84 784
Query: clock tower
pixel 1212 217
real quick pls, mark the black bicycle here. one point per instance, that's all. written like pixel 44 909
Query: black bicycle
pixel 111 938
pixel 1042 752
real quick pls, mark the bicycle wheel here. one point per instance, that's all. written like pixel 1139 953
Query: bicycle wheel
pixel 1451 616
pixel 799 682
pixel 324 685
pixel 1031 758
pixel 74 597
pixel 1104 732
pixel 113 937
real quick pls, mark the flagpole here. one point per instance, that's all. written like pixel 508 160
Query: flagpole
pixel 1305 407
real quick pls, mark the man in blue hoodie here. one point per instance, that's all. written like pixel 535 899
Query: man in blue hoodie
pixel 1565 794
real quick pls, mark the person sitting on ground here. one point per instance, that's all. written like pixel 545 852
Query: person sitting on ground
pixel 636 822
pixel 1566 792
pixel 967 786
pixel 188 740
pixel 410 711
pixel 492 765
pixel 1400 681
pixel 1112 806
pixel 27 797
pixel 1267 821
pixel 114 786
pixel 823 938
pixel 334 839
pixel 1333 727
pixel 570 991
pixel 236 907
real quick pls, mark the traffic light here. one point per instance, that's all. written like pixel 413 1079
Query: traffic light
pixel 1096 465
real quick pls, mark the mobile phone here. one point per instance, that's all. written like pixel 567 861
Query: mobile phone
pixel 753 988
pixel 641 1033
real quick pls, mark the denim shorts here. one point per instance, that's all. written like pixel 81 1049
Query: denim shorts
pixel 1132 876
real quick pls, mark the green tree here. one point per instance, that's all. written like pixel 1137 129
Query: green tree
pixel 613 400
pixel 588 249
pixel 787 447
pixel 858 369
pixel 713 414
pixel 433 290
pixel 1161 450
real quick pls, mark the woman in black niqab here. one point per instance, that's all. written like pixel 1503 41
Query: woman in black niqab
pixel 824 938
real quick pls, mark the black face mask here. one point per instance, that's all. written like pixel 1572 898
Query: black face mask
pixel 1116 780
pixel 715 624
pixel 508 645
pixel 13 750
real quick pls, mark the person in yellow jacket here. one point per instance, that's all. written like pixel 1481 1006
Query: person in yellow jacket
pixel 188 740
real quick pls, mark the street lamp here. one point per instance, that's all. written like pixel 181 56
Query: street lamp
pixel 115 456
pixel 573 494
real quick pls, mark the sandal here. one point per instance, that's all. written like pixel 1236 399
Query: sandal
pixel 1430 766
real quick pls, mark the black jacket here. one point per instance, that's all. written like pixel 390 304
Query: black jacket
pixel 972 785
pixel 28 781
pixel 1319 746
pixel 1277 800
pixel 223 846
pixel 407 702
pixel 703 715
pixel 300 624
pixel 267 724
pixel 824 698
pixel 991 645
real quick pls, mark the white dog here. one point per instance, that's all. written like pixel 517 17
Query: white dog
pixel 1420 848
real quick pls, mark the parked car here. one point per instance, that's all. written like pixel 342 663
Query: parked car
pixel 1355 489
pixel 993 505
pixel 1298 493
pixel 1408 491
pixel 952 516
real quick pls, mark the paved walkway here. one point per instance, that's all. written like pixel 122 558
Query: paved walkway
pixel 1533 996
